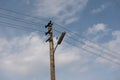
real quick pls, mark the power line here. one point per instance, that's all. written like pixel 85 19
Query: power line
pixel 27 15
pixel 58 25
pixel 23 28
pixel 99 55
pixel 38 19
pixel 66 41
pixel 18 19
pixel 93 53
pixel 91 46
pixel 54 29
pixel 57 31
pixel 110 51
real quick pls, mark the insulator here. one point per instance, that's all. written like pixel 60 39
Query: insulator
pixel 50 23
pixel 46 26
pixel 47 32
pixel 48 40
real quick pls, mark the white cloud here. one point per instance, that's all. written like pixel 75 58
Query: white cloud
pixel 22 54
pixel 97 28
pixel 100 9
pixel 29 54
pixel 106 53
pixel 67 58
pixel 62 10
pixel 115 43
pixel 116 34
pixel 109 50
pixel 97 31
pixel 71 20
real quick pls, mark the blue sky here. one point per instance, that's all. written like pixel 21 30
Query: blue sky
pixel 95 26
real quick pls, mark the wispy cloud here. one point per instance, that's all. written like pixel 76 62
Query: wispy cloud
pixel 62 10
pixel 112 48
pixel 99 9
pixel 97 28
pixel 97 31
pixel 108 48
pixel 27 55
pixel 115 42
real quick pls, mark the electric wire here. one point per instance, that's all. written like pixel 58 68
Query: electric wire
pixel 69 36
pixel 93 53
pixel 14 27
pixel 25 15
pixel 101 46
pixel 99 55
pixel 20 27
pixel 90 46
pixel 69 43
pixel 61 27
pixel 18 19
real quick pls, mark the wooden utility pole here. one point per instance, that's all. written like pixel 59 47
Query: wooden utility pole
pixel 51 45
pixel 52 49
